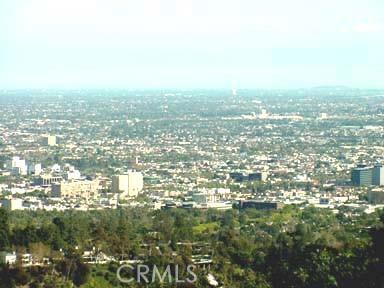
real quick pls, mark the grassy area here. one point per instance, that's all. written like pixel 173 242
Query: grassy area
pixel 102 276
pixel 97 282
pixel 4 179
pixel 205 227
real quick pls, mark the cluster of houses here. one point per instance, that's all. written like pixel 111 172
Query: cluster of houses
pixel 25 259
pixel 201 256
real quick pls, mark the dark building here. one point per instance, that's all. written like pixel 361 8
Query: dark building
pixel 257 176
pixel 169 205
pixel 238 177
pixel 376 197
pixel 362 176
pixel 47 180
pixel 260 205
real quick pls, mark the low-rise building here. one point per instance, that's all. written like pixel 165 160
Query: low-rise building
pixel 76 189
pixel 260 205
pixel 47 179
pixel 8 258
pixel 12 204
pixel 376 196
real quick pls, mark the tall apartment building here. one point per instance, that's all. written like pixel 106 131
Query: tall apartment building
pixel 128 185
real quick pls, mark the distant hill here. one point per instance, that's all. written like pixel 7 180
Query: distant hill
pixel 336 87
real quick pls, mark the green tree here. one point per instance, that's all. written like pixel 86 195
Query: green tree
pixel 4 229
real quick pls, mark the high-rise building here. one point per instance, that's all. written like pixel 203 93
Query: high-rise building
pixel 362 176
pixel 50 140
pixel 18 166
pixel 128 185
pixel 34 169
pixel 378 175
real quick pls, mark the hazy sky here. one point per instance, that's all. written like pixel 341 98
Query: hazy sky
pixel 191 43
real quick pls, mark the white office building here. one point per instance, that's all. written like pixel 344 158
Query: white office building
pixel 128 185
pixel 18 166
pixel 50 140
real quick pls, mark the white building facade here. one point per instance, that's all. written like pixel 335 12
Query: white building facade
pixel 128 185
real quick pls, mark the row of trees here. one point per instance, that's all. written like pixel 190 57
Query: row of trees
pixel 291 247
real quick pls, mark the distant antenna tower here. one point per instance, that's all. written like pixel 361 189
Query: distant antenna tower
pixel 234 89
pixel 234 92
